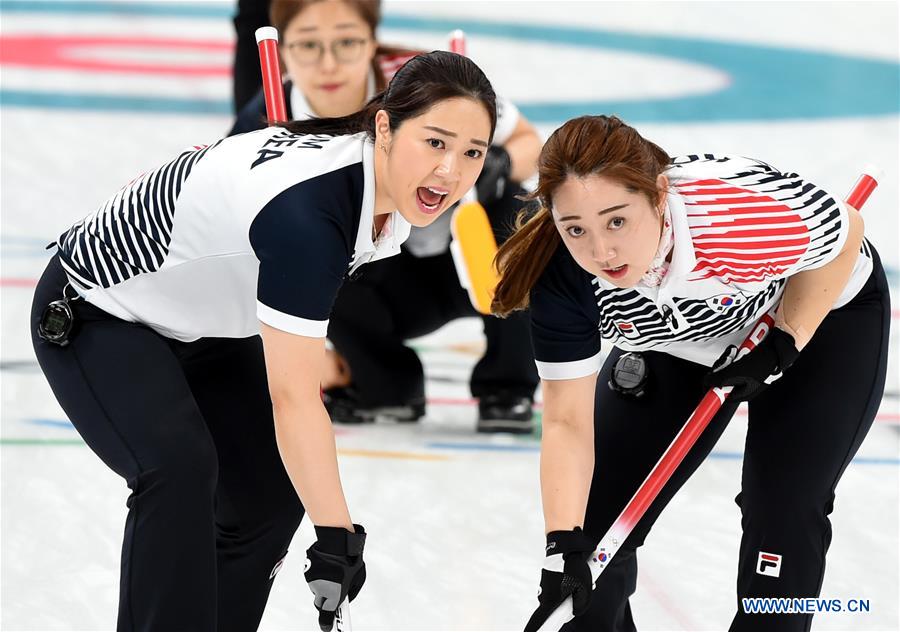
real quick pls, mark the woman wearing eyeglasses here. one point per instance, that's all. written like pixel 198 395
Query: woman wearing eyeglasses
pixel 334 63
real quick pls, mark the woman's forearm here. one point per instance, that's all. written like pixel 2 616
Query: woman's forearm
pixel 810 295
pixel 567 466
pixel 306 443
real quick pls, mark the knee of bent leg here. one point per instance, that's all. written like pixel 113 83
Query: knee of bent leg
pixel 262 505
pixel 185 467
pixel 784 508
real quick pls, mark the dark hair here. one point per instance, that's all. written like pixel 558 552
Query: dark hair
pixel 587 145
pixel 422 82
pixel 281 12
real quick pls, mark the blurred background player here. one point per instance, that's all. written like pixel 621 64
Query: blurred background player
pixel 334 63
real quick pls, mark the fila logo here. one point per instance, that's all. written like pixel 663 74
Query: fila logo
pixel 768 564
pixel 627 329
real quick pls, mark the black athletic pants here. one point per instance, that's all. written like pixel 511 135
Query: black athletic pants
pixel 189 427
pixel 802 432
pixel 404 297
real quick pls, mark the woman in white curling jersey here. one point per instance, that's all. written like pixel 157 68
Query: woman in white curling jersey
pixel 675 259
pixel 147 325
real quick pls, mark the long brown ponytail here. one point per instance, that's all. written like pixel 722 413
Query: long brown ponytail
pixel 587 145
pixel 522 258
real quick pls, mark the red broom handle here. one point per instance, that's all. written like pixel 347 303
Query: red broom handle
pixel 267 40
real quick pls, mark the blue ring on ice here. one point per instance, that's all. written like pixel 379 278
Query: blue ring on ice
pixel 504 447
pixel 766 82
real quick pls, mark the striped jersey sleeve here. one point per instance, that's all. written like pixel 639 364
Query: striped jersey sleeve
pixel 751 223
pixel 564 317
pixel 130 234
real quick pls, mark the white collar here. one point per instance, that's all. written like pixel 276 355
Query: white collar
pixel 683 258
pixel 396 228
pixel 300 108
pixel 659 267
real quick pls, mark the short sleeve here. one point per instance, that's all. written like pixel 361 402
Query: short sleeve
pixel 507 119
pixel 564 321
pixel 303 254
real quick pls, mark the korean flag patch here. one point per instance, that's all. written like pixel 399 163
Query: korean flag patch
pixel 721 303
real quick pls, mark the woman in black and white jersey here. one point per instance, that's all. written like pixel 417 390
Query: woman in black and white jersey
pixel 675 259
pixel 334 63
pixel 155 353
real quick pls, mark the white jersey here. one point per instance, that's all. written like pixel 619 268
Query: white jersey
pixel 263 226
pixel 741 229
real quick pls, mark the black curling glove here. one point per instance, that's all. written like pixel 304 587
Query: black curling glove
pixel 335 569
pixel 751 374
pixel 565 574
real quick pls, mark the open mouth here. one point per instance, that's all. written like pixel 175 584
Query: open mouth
pixel 616 273
pixel 430 199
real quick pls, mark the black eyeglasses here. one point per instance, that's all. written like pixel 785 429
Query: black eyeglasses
pixel 345 50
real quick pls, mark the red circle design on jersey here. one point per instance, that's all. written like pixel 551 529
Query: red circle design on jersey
pixel 60 52
pixel 721 242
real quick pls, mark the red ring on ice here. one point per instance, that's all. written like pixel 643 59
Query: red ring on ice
pixel 60 52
